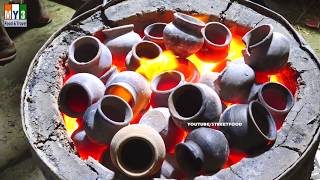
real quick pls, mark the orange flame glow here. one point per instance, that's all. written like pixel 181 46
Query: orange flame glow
pixel 236 47
pixel 70 123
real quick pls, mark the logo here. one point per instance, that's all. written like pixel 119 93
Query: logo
pixel 15 15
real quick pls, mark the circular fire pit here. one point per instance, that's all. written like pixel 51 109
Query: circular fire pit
pixel 290 157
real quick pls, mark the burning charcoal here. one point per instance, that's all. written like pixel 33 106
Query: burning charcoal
pixel 192 103
pixel 234 83
pixel 254 128
pixel 217 38
pixel 183 35
pixel 106 77
pixel 142 50
pixel 162 85
pixel 276 98
pixel 79 92
pixel 266 51
pixel 106 117
pixel 204 150
pixel 209 78
pixel 88 55
pixel 159 119
pixel 133 88
pixel 120 41
pixel 154 33
pixel 137 151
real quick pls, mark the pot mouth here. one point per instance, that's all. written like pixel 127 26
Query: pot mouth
pixel 167 81
pixel 217 34
pixel 189 19
pixel 146 49
pixel 155 31
pixel 119 29
pixel 262 120
pixel 136 156
pixel 84 50
pixel 115 110
pixel 187 102
pixel 74 99
pixel 276 97
pixel 258 35
pixel 123 91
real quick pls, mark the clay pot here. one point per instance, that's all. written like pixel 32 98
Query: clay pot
pixel 266 50
pixel 88 55
pixel 159 119
pixel 106 77
pixel 133 88
pixel 162 85
pixel 120 41
pixel 234 83
pixel 137 151
pixel 78 93
pixel 217 38
pixel 183 35
pixel 146 50
pixel 257 130
pixel 204 150
pixel 276 98
pixel 154 33
pixel 105 118
pixel 170 169
pixel 194 103
pixel 209 78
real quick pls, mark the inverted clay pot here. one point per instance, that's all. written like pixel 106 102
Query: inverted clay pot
pixel 146 50
pixel 209 78
pixel 266 50
pixel 107 76
pixel 217 38
pixel 137 151
pixel 105 118
pixel 204 150
pixel 120 41
pixel 192 103
pixel 133 88
pixel 78 93
pixel 257 130
pixel 234 83
pixel 154 33
pixel 162 85
pixel 183 35
pixel 276 98
pixel 88 55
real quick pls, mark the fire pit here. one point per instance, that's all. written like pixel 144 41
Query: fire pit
pixel 49 132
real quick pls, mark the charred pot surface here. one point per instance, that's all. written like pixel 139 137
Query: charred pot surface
pixel 88 55
pixel 162 85
pixel 78 93
pixel 137 151
pixel 193 103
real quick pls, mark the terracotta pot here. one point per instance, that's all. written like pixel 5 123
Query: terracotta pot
pixel 183 35
pixel 146 50
pixel 234 83
pixel 209 78
pixel 154 33
pixel 78 93
pixel 276 98
pixel 106 77
pixel 162 85
pixel 266 50
pixel 257 130
pixel 159 119
pixel 88 55
pixel 137 151
pixel 217 38
pixel 120 41
pixel 105 118
pixel 133 88
pixel 194 103
pixel 204 150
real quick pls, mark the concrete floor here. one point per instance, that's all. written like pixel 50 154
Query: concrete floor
pixel 15 159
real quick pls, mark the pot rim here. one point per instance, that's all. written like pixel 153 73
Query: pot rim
pixel 147 30
pixel 271 122
pixel 127 119
pixel 128 88
pixel 270 33
pixel 169 73
pixel 287 92
pixel 72 49
pixel 134 53
pixel 187 18
pixel 229 34
pixel 125 28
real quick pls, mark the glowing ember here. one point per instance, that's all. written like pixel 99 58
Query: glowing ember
pixel 70 123
pixel 236 47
